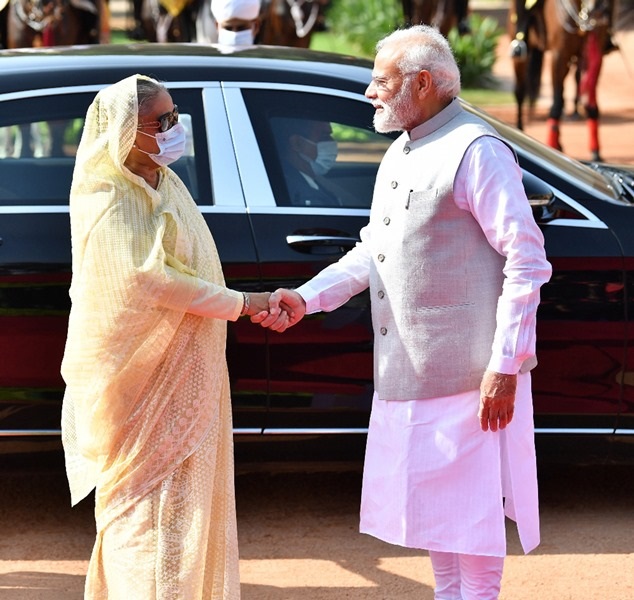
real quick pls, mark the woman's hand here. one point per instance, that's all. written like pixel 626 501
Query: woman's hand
pixel 281 302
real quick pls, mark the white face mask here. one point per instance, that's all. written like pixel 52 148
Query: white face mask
pixel 326 156
pixel 171 145
pixel 235 38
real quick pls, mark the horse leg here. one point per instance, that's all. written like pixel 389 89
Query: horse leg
pixel 534 78
pixel 407 11
pixel 462 16
pixel 593 59
pixel 516 28
pixel 3 27
pixel 519 90
pixel 558 75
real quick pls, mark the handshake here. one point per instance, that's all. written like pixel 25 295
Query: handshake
pixel 278 310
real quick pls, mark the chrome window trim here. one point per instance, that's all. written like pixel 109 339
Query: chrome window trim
pixel 314 430
pixel 310 210
pixel 29 432
pixel 256 187
pixel 60 209
pixel 33 209
pixel 95 87
pixel 294 87
pixel 578 224
pixel 60 91
pixel 576 430
pixel 592 222
pixel 330 431
pixel 227 190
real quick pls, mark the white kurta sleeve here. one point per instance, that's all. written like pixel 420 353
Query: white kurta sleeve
pixel 489 185
pixel 337 283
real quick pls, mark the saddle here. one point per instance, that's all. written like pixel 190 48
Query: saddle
pixel 42 14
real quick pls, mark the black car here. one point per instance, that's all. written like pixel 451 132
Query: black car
pixel 310 388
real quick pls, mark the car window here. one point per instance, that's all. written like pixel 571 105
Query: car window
pixel 38 144
pixel 318 150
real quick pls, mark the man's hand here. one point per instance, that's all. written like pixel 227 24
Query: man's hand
pixel 497 400
pixel 281 301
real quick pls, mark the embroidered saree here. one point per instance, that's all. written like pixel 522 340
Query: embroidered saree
pixel 146 417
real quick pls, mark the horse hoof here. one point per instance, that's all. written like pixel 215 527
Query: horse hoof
pixel 596 157
pixel 518 50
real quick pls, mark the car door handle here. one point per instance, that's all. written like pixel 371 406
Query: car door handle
pixel 320 244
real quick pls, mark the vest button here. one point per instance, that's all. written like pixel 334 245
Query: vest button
pixel 386 220
pixel 383 330
pixel 406 149
pixel 381 257
pixel 394 185
pixel 381 294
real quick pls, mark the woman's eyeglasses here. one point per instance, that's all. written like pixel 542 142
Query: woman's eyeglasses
pixel 164 122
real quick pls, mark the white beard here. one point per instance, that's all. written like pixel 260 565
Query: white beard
pixel 394 115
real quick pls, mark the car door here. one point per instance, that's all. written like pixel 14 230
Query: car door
pixel 320 372
pixel 582 320
pixel 222 203
pixel 582 317
pixel 39 133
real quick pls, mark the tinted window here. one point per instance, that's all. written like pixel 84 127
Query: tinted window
pixel 38 143
pixel 318 150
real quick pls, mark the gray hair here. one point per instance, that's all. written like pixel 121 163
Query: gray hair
pixel 147 90
pixel 424 47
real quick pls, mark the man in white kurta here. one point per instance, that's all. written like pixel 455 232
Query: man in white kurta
pixel 445 460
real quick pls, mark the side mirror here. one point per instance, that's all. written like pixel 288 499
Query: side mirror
pixel 540 197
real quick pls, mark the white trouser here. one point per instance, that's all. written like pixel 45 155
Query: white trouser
pixel 466 576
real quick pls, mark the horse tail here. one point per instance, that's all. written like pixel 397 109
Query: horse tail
pixel 534 74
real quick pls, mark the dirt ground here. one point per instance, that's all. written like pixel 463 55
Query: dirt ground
pixel 299 540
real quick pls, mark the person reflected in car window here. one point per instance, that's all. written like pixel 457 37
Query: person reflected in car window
pixel 146 415
pixel 309 152
pixel 454 262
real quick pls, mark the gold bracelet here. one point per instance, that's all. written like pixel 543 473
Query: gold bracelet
pixel 245 305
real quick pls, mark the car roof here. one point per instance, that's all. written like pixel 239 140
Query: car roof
pixel 26 68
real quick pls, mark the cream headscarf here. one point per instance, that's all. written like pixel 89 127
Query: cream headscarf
pixel 133 266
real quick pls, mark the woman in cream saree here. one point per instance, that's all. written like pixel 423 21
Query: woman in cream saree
pixel 146 416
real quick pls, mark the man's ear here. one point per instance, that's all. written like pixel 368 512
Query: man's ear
pixel 256 26
pixel 424 81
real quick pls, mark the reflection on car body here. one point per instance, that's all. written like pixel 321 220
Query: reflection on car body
pixel 315 381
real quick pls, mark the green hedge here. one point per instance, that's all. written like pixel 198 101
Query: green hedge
pixel 358 25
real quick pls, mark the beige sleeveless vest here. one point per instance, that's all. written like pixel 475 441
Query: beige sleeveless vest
pixel 434 279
